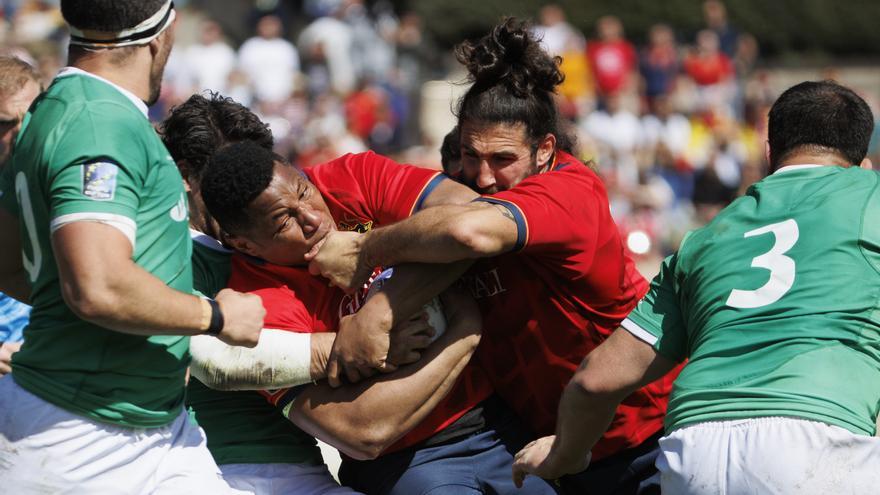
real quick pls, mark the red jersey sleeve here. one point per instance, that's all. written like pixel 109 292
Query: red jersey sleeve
pixel 367 185
pixel 562 213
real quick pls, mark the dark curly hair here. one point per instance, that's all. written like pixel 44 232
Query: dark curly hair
pixel 197 128
pixel 514 81
pixel 235 177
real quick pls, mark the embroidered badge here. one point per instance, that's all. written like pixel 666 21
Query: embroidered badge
pixel 99 180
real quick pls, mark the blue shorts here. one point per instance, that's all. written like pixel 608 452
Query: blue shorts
pixel 631 472
pixel 479 463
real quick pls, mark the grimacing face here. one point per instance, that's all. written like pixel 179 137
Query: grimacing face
pixel 496 157
pixel 289 218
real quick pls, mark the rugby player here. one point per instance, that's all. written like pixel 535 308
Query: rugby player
pixel 774 305
pixel 19 85
pixel 256 447
pixel 274 212
pixel 552 279
pixel 95 399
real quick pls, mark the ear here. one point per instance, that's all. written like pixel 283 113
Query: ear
pixel 155 45
pixel 546 149
pixel 866 164
pixel 241 244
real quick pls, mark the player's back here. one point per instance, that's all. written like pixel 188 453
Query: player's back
pixel 779 298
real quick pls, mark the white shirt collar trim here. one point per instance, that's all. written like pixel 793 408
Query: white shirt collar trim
pixel 789 168
pixel 207 241
pixel 70 71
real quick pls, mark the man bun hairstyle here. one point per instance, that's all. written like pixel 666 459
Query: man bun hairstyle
pixel 108 15
pixel 235 177
pixel 819 117
pixel 198 127
pixel 514 82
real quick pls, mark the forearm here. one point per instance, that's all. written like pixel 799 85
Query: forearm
pixel 280 359
pixel 363 420
pixel 437 235
pixel 583 419
pixel 411 287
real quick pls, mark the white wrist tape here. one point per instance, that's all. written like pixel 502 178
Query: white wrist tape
pixel 280 359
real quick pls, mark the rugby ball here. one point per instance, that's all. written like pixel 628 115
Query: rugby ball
pixel 433 308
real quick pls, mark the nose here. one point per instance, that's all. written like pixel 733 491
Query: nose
pixel 485 177
pixel 309 219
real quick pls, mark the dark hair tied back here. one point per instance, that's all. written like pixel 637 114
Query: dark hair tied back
pixel 510 53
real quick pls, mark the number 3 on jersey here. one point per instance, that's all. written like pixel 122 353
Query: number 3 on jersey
pixel 781 267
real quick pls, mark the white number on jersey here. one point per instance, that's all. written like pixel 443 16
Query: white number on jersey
pixel 32 266
pixel 781 267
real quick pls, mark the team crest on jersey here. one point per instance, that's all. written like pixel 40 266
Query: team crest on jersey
pixel 99 180
pixel 361 227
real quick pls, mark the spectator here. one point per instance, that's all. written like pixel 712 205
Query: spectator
pixel 326 44
pixel 270 62
pixel 659 62
pixel 211 60
pixel 612 58
pixel 711 70
pixel 715 17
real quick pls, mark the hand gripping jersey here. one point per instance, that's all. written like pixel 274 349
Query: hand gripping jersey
pixel 563 290
pixel 240 426
pixel 775 304
pixel 86 151
pixel 362 191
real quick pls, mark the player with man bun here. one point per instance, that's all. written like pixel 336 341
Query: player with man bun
pixel 552 277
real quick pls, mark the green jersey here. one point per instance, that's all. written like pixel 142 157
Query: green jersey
pixel 775 304
pixel 87 152
pixel 242 427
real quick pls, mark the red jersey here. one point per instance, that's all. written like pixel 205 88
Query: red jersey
pixel 361 191
pixel 612 62
pixel 564 289
pixel 708 70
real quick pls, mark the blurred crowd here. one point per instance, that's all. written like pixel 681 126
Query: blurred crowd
pixel 676 125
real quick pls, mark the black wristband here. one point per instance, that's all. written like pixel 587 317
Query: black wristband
pixel 216 325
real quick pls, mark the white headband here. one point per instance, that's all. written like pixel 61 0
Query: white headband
pixel 143 33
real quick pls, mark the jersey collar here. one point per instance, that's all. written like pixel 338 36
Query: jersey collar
pixel 71 71
pixel 207 241
pixel 789 168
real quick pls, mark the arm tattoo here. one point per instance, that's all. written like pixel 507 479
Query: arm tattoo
pixel 507 214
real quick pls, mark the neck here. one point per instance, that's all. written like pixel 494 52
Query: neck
pixel 133 74
pixel 824 159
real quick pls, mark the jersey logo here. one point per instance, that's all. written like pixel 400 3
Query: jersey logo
pixel 99 180
pixel 179 212
pixel 361 227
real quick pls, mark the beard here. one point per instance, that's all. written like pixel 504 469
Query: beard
pixel 157 70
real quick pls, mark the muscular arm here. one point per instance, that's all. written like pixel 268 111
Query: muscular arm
pixel 102 284
pixel 617 368
pixel 363 420
pixel 442 235
pixel 13 281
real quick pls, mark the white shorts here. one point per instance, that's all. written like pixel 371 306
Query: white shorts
pixel 271 479
pixel 768 456
pixel 46 449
